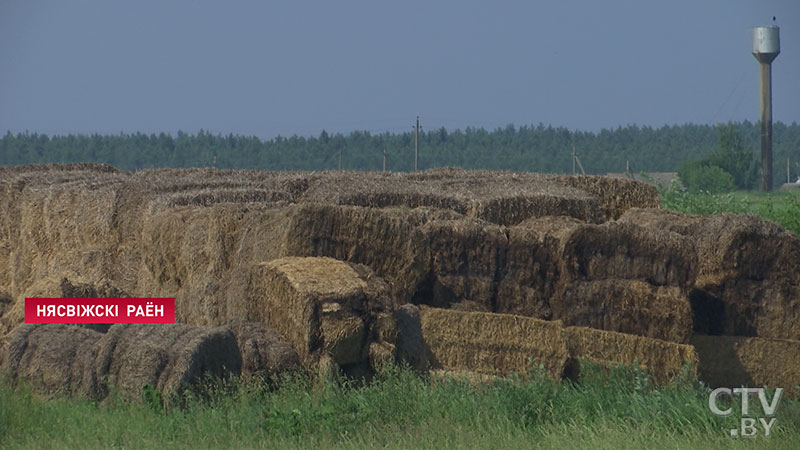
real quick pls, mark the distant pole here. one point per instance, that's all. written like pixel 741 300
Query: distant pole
pixel 384 160
pixel 788 175
pixel 340 160
pixel 416 146
pixel 573 159
pixel 766 47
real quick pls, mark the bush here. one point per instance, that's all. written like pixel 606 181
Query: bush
pixel 701 176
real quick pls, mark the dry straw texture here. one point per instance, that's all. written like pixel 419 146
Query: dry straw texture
pixel 663 360
pixel 493 343
pixel 318 304
pixel 627 306
pixel 72 360
pixel 748 280
pixel 169 358
pixel 733 361
pixel 54 359
pixel 265 353
pixel 466 259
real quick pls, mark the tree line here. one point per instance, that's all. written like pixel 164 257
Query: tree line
pixel 536 148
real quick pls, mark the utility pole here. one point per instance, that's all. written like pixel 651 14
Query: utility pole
pixel 384 160
pixel 573 159
pixel 788 174
pixel 340 159
pixel 416 146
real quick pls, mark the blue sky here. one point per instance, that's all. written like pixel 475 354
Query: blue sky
pixel 270 68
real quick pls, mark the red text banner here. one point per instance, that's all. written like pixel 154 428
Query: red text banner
pixel 99 310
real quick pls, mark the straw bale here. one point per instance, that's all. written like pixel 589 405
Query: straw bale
pixel 467 256
pixel 201 256
pixel 318 304
pixel 547 255
pixel 263 350
pixel 493 343
pixel 14 316
pixel 60 226
pixel 735 361
pixel 628 251
pixel 731 244
pixel 344 334
pixel 627 306
pixel 208 197
pixel 168 358
pixel 384 241
pixel 54 359
pixel 515 209
pixel 663 360
pixel 615 195
pixel 533 273
pixel 749 272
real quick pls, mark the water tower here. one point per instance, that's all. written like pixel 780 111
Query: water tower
pixel 766 46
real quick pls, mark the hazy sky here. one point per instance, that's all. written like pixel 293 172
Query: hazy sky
pixel 297 67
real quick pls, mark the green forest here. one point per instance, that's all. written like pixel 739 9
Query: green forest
pixel 536 148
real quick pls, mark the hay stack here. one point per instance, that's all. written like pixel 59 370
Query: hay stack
pixel 663 360
pixel 321 305
pixel 264 352
pixel 384 241
pixel 467 256
pixel 615 195
pixel 734 361
pixel 749 272
pixel 627 251
pixel 533 273
pixel 553 261
pixel 168 358
pixel 627 306
pixel 514 209
pixel 54 359
pixel 492 343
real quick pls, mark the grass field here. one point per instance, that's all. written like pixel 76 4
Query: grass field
pixel 620 410
pixel 782 207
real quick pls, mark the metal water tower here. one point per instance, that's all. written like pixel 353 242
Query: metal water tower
pixel 766 46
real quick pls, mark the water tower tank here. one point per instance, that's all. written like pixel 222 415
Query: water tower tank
pixel 766 43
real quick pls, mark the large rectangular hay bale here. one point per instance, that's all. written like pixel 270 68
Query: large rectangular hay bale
pixel 466 256
pixel 627 306
pixel 735 361
pixel 492 343
pixel 382 240
pixel 748 281
pixel 315 303
pixel 662 359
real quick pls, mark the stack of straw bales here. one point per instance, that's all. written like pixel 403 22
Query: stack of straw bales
pixel 614 276
pixel 748 282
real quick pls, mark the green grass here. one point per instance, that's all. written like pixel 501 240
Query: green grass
pixel 782 207
pixel 399 410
